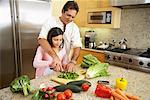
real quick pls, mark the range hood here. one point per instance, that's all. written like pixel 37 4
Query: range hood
pixel 129 3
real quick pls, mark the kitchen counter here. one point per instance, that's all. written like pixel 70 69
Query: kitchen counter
pixel 138 84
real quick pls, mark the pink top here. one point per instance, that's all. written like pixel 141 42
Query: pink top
pixel 43 60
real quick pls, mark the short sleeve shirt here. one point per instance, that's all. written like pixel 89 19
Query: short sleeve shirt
pixel 71 35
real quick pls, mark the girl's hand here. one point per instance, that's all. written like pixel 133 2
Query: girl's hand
pixel 58 68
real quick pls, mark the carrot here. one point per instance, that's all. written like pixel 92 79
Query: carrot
pixel 121 93
pixel 116 98
pixel 116 95
pixel 132 97
pixel 112 98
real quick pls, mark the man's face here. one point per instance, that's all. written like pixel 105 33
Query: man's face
pixel 68 16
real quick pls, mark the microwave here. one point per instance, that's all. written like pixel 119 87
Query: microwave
pixel 99 17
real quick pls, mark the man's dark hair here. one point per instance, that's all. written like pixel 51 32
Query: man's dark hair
pixel 71 5
pixel 53 32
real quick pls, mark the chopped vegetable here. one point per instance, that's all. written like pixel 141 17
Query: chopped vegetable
pixel 68 75
pixel 96 70
pixel 21 84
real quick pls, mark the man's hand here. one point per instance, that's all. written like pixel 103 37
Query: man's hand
pixel 56 64
pixel 70 67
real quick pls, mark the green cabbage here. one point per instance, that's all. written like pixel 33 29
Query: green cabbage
pixel 97 70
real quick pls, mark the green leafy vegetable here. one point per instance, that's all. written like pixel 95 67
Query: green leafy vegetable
pixel 99 69
pixel 68 75
pixel 21 84
pixel 89 60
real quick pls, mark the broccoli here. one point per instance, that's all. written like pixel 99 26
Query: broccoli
pixel 21 84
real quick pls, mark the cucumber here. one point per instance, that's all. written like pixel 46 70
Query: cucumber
pixel 73 88
pixel 78 83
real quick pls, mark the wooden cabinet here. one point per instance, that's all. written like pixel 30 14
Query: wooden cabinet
pixel 81 17
pixel 99 55
pixel 115 17
pixel 56 7
pixel 97 5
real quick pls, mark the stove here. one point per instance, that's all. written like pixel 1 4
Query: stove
pixel 146 54
pixel 137 59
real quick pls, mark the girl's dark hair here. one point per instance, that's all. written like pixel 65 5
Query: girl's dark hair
pixel 53 32
pixel 71 5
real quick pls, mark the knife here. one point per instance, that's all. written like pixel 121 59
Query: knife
pixel 57 81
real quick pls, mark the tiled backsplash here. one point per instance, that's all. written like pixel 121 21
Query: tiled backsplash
pixel 135 27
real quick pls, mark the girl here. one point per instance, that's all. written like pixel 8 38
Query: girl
pixel 42 61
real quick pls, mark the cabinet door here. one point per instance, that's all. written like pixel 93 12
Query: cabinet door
pixel 99 55
pixel 56 7
pixel 81 17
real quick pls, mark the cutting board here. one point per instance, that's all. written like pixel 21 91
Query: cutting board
pixel 64 81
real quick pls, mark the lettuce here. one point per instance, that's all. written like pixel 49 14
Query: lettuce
pixel 89 60
pixel 97 70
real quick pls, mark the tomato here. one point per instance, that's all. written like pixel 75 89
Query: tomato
pixel 68 93
pixel 46 95
pixel 52 95
pixel 44 89
pixel 85 86
pixel 61 96
pixel 49 88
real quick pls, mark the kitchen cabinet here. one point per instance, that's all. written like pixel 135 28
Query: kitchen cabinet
pixel 115 17
pixel 81 17
pixel 97 5
pixel 56 7
pixel 99 55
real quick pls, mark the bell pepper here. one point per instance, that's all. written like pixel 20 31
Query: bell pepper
pixel 121 83
pixel 102 91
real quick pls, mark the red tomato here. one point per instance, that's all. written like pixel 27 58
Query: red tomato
pixel 44 89
pixel 68 93
pixel 46 95
pixel 61 96
pixel 49 88
pixel 85 86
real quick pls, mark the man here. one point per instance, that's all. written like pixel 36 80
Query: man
pixel 71 36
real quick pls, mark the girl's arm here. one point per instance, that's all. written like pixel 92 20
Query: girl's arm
pixel 38 59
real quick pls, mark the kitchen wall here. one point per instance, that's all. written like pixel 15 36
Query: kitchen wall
pixel 134 26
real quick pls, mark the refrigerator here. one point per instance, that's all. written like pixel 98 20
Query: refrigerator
pixel 20 24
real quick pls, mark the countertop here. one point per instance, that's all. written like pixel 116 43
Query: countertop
pixel 138 84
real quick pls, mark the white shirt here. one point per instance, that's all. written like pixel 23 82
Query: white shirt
pixel 71 34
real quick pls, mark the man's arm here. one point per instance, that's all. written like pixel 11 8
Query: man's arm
pixel 76 53
pixel 71 65
pixel 46 46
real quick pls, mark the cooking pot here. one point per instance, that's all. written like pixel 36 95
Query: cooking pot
pixel 123 44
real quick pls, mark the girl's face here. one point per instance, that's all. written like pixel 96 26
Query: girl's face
pixel 57 40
